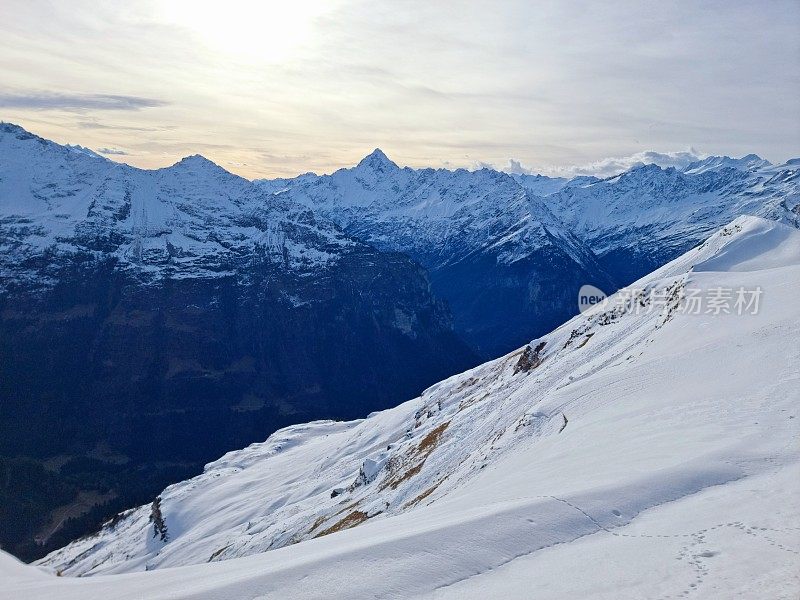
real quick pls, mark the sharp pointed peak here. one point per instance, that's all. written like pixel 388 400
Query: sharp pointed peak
pixel 377 160
pixel 198 161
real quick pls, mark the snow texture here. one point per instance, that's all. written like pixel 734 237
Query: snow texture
pixel 648 453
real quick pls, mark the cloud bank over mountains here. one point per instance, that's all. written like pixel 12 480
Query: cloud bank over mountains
pixel 606 167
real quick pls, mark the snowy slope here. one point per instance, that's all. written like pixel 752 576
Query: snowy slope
pixel 171 315
pixel 637 451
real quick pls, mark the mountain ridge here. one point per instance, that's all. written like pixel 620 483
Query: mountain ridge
pixel 494 251
pixel 492 241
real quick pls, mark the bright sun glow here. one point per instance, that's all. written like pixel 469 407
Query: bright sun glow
pixel 265 30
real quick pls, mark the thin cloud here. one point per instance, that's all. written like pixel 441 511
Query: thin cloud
pixel 606 167
pixel 51 101
pixel 515 167
pixel 518 80
pixel 96 125
pixel 114 151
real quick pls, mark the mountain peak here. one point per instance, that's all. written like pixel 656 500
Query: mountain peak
pixel 18 131
pixel 196 159
pixel 745 163
pixel 11 127
pixel 377 161
pixel 198 162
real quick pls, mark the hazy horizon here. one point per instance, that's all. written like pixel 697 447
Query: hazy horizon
pixel 267 89
pixel 605 167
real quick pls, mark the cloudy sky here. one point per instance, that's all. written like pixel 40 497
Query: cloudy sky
pixel 269 87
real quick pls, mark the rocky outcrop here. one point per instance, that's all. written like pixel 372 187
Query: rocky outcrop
pixel 530 358
pixel 157 519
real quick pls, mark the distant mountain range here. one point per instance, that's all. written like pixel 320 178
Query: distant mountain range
pixel 509 252
pixel 151 320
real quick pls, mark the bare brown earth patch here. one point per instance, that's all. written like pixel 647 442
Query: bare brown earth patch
pixel 431 440
pixel 354 518
pixel 348 507
pixel 407 475
pixel 317 523
pixel 404 468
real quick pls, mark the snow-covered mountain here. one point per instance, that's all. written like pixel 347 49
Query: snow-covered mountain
pixel 635 445
pixel 505 264
pixel 509 252
pixel 163 317
pixel 193 219
pixel 638 220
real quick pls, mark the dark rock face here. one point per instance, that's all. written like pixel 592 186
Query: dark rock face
pixel 530 358
pixel 189 368
pixel 499 307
